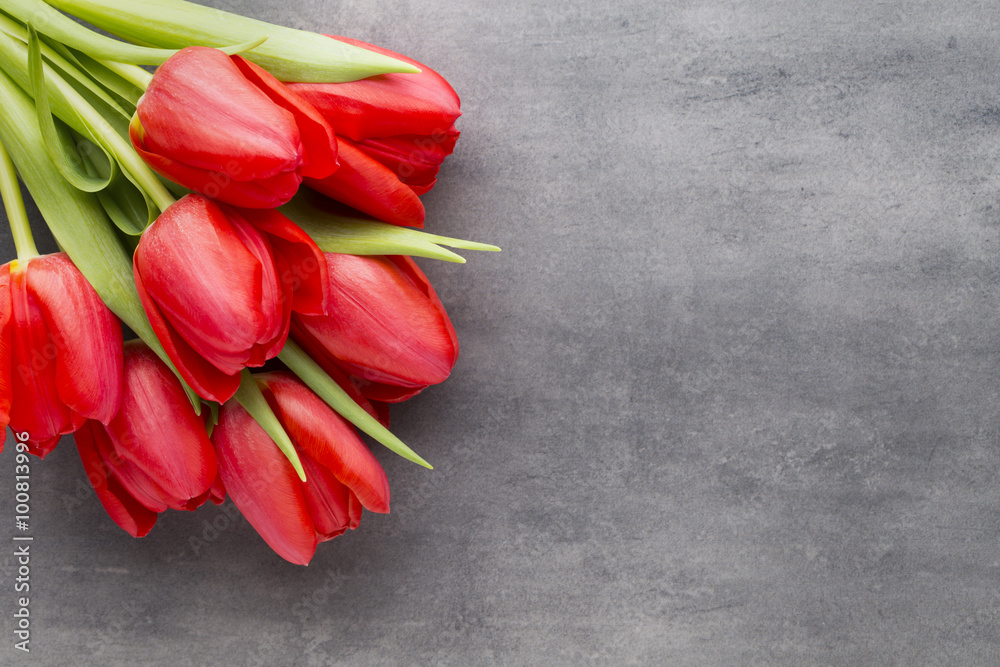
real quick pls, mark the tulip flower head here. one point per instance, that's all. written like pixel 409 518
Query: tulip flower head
pixel 219 285
pixel 385 327
pixel 342 475
pixel 60 351
pixel 224 127
pixel 394 131
pixel 154 454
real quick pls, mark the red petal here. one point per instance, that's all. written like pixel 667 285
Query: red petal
pixel 415 159
pixel 217 494
pixel 125 510
pixel 385 324
pixel 385 105
pixel 326 498
pixel 201 111
pixel 206 273
pixel 328 439
pixel 86 335
pixel 217 184
pixel 406 264
pixel 318 141
pixel 155 411
pixel 382 408
pixel 283 268
pixel 44 446
pixel 205 379
pixel 371 187
pixel 307 272
pixel 138 484
pixel 380 392
pixel 5 347
pixel 354 509
pixel 329 364
pixel 263 485
pixel 273 305
pixel 38 408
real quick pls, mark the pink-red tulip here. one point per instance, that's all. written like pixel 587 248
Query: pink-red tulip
pixel 60 351
pixel 342 476
pixel 219 284
pixel 224 127
pixel 154 454
pixel 385 327
pixel 394 131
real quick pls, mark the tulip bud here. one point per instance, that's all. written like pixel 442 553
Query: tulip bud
pixel 219 284
pixel 394 131
pixel 385 327
pixel 154 454
pixel 60 351
pixel 342 476
pixel 224 127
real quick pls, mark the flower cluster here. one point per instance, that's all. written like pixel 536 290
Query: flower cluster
pixel 270 201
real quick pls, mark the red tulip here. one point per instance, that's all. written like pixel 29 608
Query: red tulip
pixel 394 131
pixel 385 327
pixel 223 126
pixel 154 454
pixel 218 285
pixel 60 351
pixel 342 476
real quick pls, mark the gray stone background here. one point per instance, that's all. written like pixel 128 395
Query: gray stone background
pixel 728 396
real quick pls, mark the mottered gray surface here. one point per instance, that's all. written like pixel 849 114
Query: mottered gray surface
pixel 728 396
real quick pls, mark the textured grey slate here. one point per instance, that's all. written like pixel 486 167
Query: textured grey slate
pixel 728 396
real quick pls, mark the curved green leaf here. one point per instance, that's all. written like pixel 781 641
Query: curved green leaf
pixel 326 388
pixel 336 232
pixel 58 143
pixel 123 200
pixel 253 401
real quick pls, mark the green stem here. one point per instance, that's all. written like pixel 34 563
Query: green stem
pixel 316 378
pixel 135 75
pixel 288 54
pixel 253 401
pixel 20 32
pixel 338 233
pixel 13 203
pixel 67 31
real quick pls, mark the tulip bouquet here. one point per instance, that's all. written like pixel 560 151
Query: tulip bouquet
pixel 254 200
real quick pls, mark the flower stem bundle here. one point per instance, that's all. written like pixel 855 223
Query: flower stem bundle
pixel 254 200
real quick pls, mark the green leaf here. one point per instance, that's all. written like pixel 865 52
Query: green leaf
pixel 58 143
pixel 124 202
pixel 133 74
pixel 253 401
pixel 326 388
pixel 288 54
pixel 212 418
pixel 335 232
pixel 126 91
